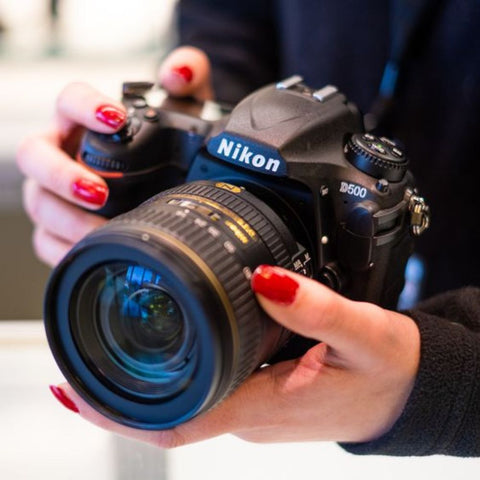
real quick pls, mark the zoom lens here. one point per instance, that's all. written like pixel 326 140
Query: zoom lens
pixel 152 318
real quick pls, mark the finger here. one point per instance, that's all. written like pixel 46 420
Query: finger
pixel 71 400
pixel 64 220
pixel 81 104
pixel 263 407
pixel 186 71
pixel 163 438
pixel 49 248
pixel 315 311
pixel 55 171
pixel 258 390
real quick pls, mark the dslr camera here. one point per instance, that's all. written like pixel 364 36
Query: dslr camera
pixel 151 317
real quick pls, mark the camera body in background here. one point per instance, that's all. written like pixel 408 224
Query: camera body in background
pixel 151 317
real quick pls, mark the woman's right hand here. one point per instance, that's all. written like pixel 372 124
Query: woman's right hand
pixel 60 196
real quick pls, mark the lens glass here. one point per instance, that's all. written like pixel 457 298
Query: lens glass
pixel 132 331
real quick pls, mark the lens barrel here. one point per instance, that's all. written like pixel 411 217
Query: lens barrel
pixel 152 319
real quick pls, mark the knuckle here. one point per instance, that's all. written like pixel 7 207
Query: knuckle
pixel 58 179
pixel 79 223
pixel 67 93
pixel 321 310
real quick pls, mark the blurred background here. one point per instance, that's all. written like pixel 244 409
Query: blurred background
pixel 45 44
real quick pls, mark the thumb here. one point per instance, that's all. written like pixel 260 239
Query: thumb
pixel 315 311
pixel 186 72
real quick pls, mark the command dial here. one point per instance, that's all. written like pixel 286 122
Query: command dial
pixel 376 156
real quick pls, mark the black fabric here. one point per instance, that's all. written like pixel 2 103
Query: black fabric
pixel 442 415
pixel 436 115
pixel 240 41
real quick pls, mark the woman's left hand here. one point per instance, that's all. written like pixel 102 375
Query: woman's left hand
pixel 351 387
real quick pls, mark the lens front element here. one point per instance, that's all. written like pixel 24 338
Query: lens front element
pixel 138 338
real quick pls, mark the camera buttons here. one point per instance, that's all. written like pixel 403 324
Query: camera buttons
pixel 289 82
pixel 325 93
pixel 382 185
pixel 397 152
pixel 126 133
pixel 150 115
pixel 376 156
pixel 139 103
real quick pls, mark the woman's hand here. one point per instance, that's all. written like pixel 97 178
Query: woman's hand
pixel 56 187
pixel 351 387
pixel 57 190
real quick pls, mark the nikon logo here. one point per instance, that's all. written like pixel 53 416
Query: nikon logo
pixel 242 154
pixel 254 156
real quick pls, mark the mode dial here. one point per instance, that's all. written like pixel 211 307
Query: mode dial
pixel 379 157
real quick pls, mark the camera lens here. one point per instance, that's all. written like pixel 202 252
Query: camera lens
pixel 138 336
pixel 152 318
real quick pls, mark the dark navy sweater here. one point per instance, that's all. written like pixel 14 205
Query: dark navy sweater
pixel 436 114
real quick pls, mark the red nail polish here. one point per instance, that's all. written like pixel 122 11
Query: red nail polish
pixel 90 192
pixel 110 115
pixel 63 399
pixel 274 285
pixel 185 72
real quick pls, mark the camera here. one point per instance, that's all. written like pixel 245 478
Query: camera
pixel 151 317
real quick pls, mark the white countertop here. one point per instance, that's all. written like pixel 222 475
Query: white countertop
pixel 40 439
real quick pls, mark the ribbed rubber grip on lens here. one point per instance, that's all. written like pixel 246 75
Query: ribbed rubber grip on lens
pixel 227 267
pixel 250 213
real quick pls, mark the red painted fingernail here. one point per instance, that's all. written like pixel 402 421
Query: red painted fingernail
pixel 185 72
pixel 110 115
pixel 61 396
pixel 274 285
pixel 90 192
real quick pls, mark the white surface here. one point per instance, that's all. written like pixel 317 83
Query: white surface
pixel 101 42
pixel 40 439
pixel 86 27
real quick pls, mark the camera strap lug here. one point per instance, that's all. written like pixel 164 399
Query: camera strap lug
pixel 420 213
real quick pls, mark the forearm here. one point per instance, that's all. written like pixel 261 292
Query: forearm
pixel 238 37
pixel 442 414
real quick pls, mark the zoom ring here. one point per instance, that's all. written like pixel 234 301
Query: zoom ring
pixel 274 240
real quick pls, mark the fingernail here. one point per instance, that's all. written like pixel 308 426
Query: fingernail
pixel 110 115
pixel 61 396
pixel 185 72
pixel 90 192
pixel 274 285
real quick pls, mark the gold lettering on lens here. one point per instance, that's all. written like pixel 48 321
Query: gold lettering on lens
pixel 229 187
pixel 232 215
pixel 237 232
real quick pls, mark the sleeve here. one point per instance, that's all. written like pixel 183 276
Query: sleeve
pixel 442 415
pixel 240 39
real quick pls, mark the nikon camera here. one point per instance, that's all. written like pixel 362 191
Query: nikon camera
pixel 151 317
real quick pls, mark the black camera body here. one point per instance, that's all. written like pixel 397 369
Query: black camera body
pixel 160 296
pixel 345 194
